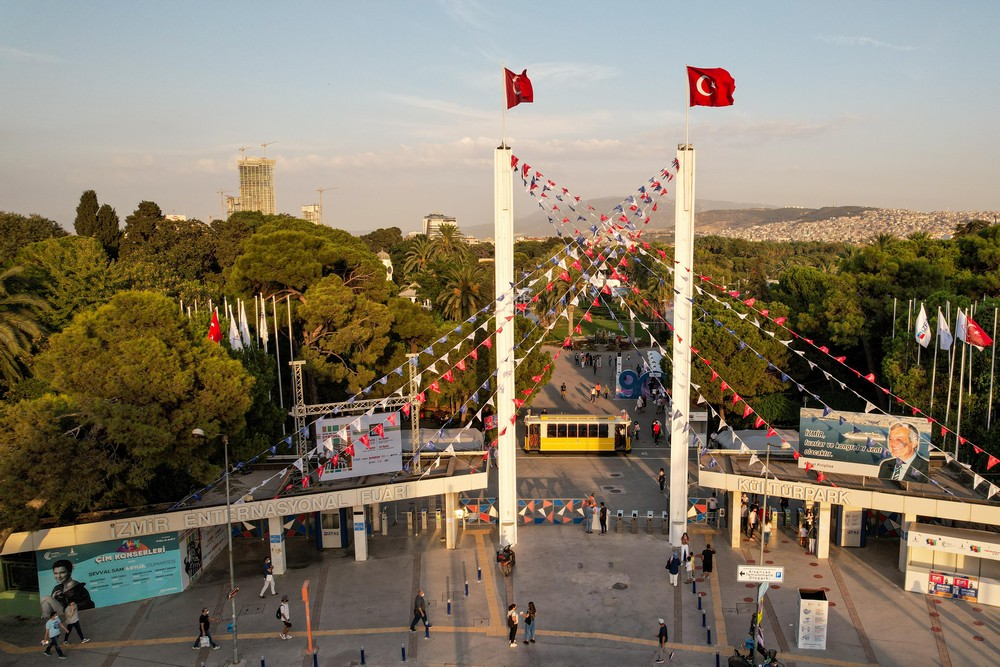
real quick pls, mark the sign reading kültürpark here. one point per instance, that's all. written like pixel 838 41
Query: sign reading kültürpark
pixel 108 573
pixel 872 445
pixel 360 445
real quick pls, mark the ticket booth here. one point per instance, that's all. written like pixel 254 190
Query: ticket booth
pixel 335 529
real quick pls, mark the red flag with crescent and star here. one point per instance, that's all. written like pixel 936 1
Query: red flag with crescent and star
pixel 517 87
pixel 214 330
pixel 710 87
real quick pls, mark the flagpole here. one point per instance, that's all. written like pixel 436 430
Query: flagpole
pixel 958 417
pixel 951 364
pixel 503 111
pixel 277 351
pixel 687 109
pixel 993 359
pixel 937 342
pixel 919 346
pixel 894 318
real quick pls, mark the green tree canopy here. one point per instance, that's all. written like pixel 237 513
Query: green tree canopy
pixel 128 383
pixel 85 223
pixel 17 231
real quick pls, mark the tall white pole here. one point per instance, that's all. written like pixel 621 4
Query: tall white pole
pixel 277 350
pixel 993 362
pixel 951 364
pixel 229 534
pixel 503 198
pixel 937 344
pixel 958 418
pixel 681 381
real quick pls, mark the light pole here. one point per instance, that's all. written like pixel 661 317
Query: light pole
pixel 767 470
pixel 229 535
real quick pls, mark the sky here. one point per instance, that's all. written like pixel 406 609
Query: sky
pixel 396 105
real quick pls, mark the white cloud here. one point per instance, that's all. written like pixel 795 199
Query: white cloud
pixel 844 40
pixel 19 55
pixel 572 74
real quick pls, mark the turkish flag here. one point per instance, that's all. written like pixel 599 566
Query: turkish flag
pixel 975 335
pixel 214 330
pixel 518 88
pixel 710 87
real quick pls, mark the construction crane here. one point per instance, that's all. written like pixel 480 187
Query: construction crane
pixel 222 201
pixel 243 151
pixel 265 145
pixel 321 191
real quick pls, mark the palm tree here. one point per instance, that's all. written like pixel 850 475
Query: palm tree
pixel 19 325
pixel 449 243
pixel 466 289
pixel 419 256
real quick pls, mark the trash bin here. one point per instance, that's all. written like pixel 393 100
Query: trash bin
pixel 813 613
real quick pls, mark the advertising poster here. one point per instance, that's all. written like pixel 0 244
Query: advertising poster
pixel 850 526
pixel 376 443
pixel 947 585
pixel 872 445
pixel 109 573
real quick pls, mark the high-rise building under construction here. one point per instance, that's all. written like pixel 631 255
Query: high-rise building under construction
pixel 256 185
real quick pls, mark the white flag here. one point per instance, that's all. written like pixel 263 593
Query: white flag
pixel 961 326
pixel 262 328
pixel 234 333
pixel 922 331
pixel 944 333
pixel 244 325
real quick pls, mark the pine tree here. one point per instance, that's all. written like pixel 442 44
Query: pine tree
pixel 108 231
pixel 86 214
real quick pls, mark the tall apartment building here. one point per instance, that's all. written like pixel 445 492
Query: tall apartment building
pixel 311 213
pixel 433 221
pixel 256 185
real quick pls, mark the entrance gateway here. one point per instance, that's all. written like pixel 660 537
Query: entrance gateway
pixel 935 559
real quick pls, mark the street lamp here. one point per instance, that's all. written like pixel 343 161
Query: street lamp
pixel 198 433
pixel 767 470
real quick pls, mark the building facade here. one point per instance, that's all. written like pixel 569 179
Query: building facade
pixel 311 213
pixel 256 185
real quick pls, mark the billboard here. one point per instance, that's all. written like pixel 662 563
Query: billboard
pixel 113 572
pixel 376 443
pixel 857 443
pixel 957 587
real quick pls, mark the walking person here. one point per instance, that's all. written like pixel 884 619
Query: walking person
pixel 606 389
pixel 604 518
pixel 713 510
pixel 53 630
pixel 751 524
pixel 73 621
pixel 661 637
pixel 204 630
pixel 268 577
pixel 285 614
pixel 689 568
pixel 562 390
pixel 812 538
pixel 656 430
pixel 707 561
pixel 529 620
pixel 635 430
pixel 766 531
pixel 661 479
pixel 512 624
pixel 419 612
pixel 674 567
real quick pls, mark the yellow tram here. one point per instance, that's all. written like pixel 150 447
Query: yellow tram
pixel 576 433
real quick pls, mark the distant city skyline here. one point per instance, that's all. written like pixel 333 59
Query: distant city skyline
pixel 886 104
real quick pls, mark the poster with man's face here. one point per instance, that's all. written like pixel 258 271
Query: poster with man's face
pixel 857 443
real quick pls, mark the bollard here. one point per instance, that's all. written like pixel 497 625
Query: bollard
pixel 694 587
pixel 466 588
pixel 402 647
pixel 709 636
pixel 427 632
pixel 315 658
pixel 699 603
pixel 703 617
pixel 479 574
pixel 362 655
pixel 718 659
pixel 449 606
pixel 261 662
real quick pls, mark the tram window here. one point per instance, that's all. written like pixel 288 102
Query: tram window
pixel 603 431
pixel 572 430
pixel 550 431
pixel 593 430
pixel 561 430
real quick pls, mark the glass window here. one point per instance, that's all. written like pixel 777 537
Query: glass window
pixel 572 430
pixel 603 430
pixel 331 521
pixel 550 430
pixel 593 430
pixel 561 431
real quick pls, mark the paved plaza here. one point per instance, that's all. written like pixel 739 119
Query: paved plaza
pixel 598 596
